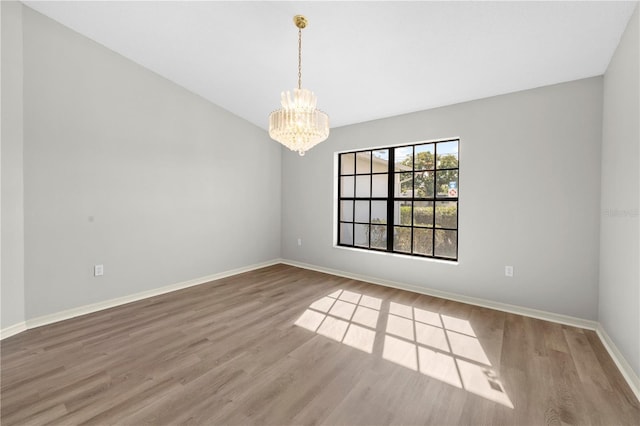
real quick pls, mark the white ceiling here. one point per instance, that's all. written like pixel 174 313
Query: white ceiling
pixel 364 60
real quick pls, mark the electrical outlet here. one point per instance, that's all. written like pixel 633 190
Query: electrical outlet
pixel 508 271
pixel 299 241
pixel 98 270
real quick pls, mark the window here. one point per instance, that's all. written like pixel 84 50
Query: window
pixel 401 199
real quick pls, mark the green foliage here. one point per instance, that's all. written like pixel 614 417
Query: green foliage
pixel 402 239
pixel 448 161
pixel 423 181
pixel 445 215
pixel 424 161
pixel 445 241
pixel 379 236
pixel 423 241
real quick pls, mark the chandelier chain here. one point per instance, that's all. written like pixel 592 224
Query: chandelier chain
pixel 299 58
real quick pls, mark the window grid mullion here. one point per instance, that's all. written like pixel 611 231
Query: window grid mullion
pixel 370 193
pixel 413 193
pixel 339 198
pixel 433 219
pixel 390 198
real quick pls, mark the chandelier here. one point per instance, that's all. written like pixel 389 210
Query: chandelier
pixel 299 125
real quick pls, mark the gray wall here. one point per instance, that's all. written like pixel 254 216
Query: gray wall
pixel 619 310
pixel 11 196
pixel 529 197
pixel 126 169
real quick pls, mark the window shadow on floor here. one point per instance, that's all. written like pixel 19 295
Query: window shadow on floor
pixel 436 345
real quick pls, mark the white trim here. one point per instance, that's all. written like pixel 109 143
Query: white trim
pixel 520 310
pixel 94 307
pixel 13 330
pixel 392 254
pixel 625 368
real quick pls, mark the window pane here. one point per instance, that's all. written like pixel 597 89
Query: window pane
pixel 363 186
pixel 363 162
pixel 362 235
pixel 346 186
pixel 447 183
pixel 419 217
pixel 362 211
pixel 378 212
pixel 402 213
pixel 346 164
pixel 404 184
pixel 424 184
pixel 424 157
pixel 446 214
pixel 380 185
pixel 381 160
pixel 423 213
pixel 447 155
pixel 402 239
pixel 379 236
pixel 404 158
pixel 423 241
pixel 346 211
pixel 446 243
pixel 346 233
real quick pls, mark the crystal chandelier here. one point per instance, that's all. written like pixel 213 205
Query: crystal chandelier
pixel 299 125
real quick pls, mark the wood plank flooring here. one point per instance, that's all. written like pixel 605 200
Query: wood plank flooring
pixel 283 345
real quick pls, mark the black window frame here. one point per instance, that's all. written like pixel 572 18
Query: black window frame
pixel 392 198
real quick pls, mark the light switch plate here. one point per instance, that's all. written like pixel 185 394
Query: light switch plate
pixel 508 271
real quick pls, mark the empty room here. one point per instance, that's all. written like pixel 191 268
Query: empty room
pixel 339 213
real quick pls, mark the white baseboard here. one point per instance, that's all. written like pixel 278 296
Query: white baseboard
pixel 94 307
pixel 625 368
pixel 13 330
pixel 520 310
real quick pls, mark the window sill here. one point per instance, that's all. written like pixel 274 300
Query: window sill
pixel 398 255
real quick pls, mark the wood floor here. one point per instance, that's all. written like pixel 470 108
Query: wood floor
pixel 283 345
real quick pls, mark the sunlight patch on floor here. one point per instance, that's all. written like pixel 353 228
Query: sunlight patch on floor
pixel 360 338
pixel 400 351
pixel 346 317
pixel 439 366
pixel 439 346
